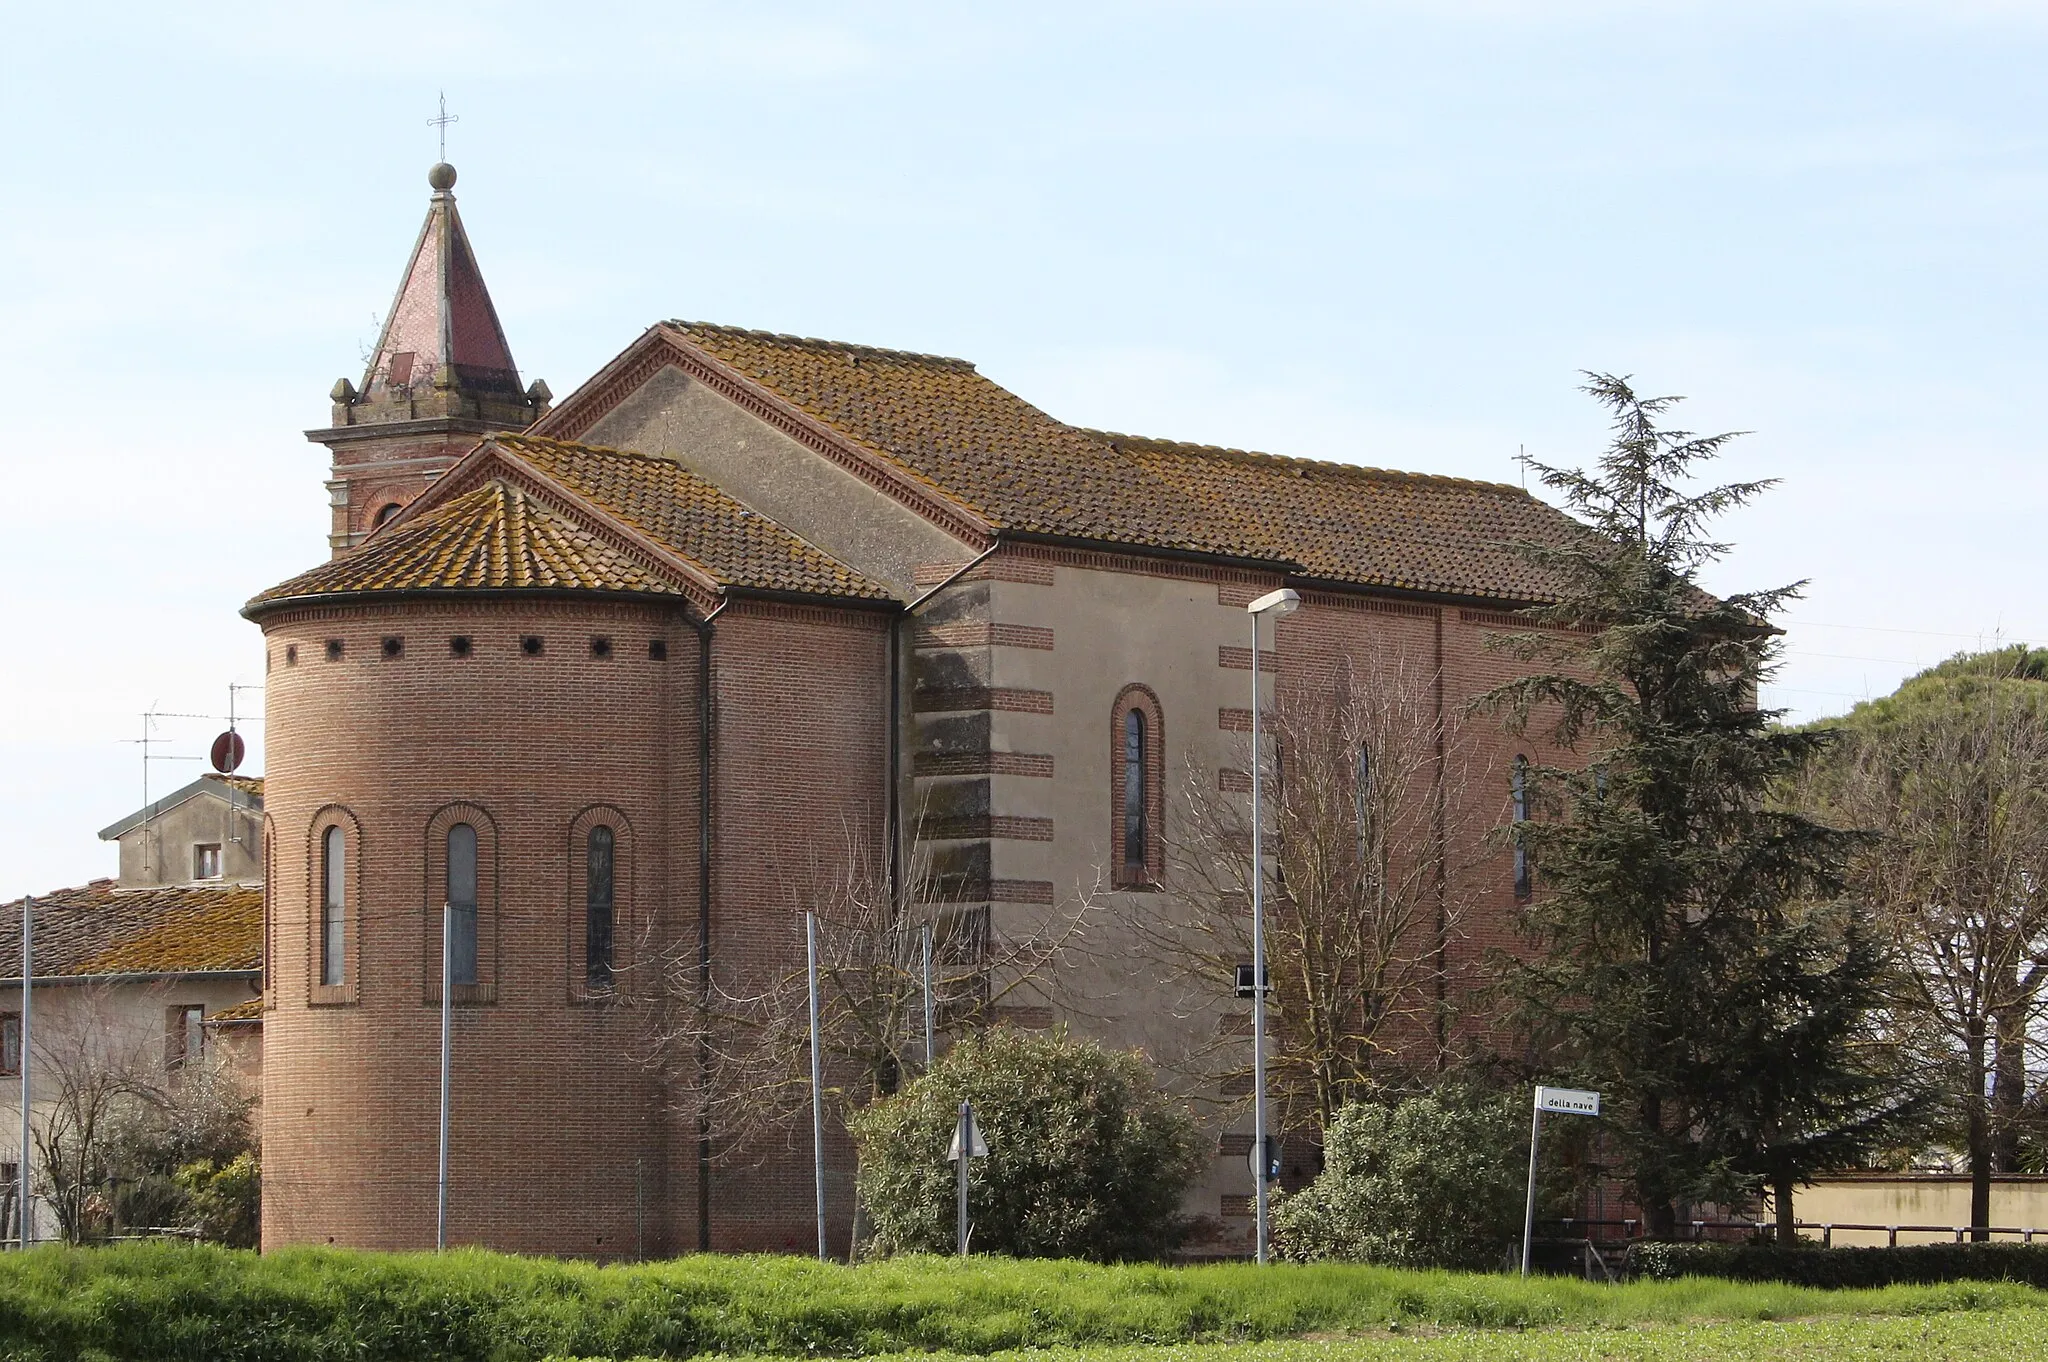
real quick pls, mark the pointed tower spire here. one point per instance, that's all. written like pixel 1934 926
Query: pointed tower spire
pixel 441 377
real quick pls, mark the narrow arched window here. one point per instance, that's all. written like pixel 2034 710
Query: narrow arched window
pixel 333 907
pixel 462 904
pixel 1520 789
pixel 598 890
pixel 1136 833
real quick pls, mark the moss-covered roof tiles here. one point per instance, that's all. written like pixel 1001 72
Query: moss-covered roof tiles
pixel 98 929
pixel 946 425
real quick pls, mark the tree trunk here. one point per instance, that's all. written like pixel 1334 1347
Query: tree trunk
pixel 1980 1140
pixel 1781 1201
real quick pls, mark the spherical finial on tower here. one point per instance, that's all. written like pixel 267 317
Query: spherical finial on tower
pixel 442 177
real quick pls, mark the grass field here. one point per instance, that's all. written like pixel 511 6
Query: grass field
pixel 165 1302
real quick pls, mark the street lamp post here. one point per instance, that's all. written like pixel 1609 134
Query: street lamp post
pixel 1276 604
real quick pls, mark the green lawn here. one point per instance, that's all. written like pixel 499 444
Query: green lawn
pixel 180 1303
pixel 1961 1336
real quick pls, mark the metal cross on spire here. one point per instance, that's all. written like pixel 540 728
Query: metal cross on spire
pixel 441 123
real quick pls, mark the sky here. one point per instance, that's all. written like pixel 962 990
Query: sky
pixel 1382 232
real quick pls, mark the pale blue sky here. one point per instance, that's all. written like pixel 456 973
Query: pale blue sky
pixel 1382 232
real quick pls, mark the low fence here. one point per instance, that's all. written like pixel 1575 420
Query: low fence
pixel 1719 1231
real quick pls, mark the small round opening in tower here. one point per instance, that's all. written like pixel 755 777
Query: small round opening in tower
pixel 441 178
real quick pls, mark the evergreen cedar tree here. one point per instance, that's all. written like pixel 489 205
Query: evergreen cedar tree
pixel 1087 1158
pixel 1951 774
pixel 1695 958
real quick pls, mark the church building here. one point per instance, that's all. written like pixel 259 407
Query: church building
pixel 603 682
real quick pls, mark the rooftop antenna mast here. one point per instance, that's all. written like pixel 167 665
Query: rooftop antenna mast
pixel 148 740
pixel 441 123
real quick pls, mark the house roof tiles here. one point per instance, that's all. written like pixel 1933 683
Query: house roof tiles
pixel 100 929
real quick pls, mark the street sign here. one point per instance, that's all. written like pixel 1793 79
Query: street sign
pixel 1559 1101
pixel 976 1146
pixel 228 751
pixel 1271 1163
pixel 1245 987
pixel 1568 1101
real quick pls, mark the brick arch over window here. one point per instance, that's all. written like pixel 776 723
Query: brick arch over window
pixel 586 985
pixel 341 885
pixel 444 820
pixel 1137 747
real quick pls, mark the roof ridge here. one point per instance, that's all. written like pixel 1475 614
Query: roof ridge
pixel 1259 456
pixel 820 343
pixel 515 439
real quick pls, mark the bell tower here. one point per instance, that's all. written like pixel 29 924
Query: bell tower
pixel 441 378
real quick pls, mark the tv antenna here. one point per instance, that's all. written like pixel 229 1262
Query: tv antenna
pixel 441 123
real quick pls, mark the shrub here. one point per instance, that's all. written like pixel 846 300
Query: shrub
pixel 1811 1265
pixel 224 1204
pixel 1435 1180
pixel 1087 1158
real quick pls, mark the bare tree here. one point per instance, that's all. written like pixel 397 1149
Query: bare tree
pixel 95 1063
pixel 741 1053
pixel 1953 776
pixel 1366 782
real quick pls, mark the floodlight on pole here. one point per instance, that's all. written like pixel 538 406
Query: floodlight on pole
pixel 1276 604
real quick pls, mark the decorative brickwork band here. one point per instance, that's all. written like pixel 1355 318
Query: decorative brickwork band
pixel 995 827
pixel 1234 720
pixel 982 764
pixel 1023 1018
pixel 992 891
pixel 982 634
pixel 1240 659
pixel 953 699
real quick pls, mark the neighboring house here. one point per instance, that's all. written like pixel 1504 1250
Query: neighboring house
pixel 211 831
pixel 148 973
pixel 605 681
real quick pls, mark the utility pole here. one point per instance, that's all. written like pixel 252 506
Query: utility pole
pixel 447 1018
pixel 925 938
pixel 28 973
pixel 817 1079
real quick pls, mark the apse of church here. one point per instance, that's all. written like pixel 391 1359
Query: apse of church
pixel 607 678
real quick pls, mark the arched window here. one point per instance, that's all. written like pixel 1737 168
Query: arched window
pixel 333 908
pixel 599 884
pixel 462 905
pixel 384 513
pixel 1136 798
pixel 1135 839
pixel 1519 785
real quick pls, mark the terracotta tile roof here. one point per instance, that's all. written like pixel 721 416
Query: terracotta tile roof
pixel 499 536
pixel 1348 523
pixel 97 928
pixel 729 542
pixel 241 1014
pixel 943 423
pixel 495 536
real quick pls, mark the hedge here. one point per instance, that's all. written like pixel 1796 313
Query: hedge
pixel 1803 1265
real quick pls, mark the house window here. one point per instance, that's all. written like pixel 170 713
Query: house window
pixel 10 1042
pixel 1520 790
pixel 1135 794
pixel 184 1036
pixel 1361 795
pixel 599 881
pixel 462 904
pixel 206 861
pixel 333 907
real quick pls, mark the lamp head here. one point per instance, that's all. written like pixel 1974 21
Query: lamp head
pixel 1282 602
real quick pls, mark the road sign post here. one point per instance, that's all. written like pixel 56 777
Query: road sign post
pixel 967 1145
pixel 1564 1102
